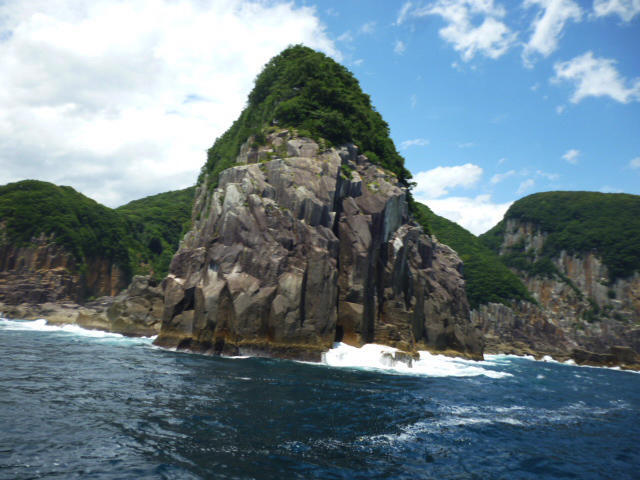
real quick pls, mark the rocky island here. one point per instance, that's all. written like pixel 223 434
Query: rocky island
pixel 302 231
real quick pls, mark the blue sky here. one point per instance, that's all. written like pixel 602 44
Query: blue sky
pixel 510 110
pixel 487 100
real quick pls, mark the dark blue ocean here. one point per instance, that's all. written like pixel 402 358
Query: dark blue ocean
pixel 77 404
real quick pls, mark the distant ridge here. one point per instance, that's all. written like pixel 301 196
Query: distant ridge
pixel 576 222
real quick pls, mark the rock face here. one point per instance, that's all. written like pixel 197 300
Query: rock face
pixel 303 247
pixel 579 310
pixel 135 312
pixel 138 310
pixel 44 272
pixel 522 329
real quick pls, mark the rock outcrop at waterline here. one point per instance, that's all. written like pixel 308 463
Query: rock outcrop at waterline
pixel 135 312
pixel 298 247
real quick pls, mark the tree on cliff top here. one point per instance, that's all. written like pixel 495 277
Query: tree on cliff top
pixel 307 90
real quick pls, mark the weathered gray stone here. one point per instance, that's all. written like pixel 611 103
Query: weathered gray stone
pixel 584 314
pixel 288 255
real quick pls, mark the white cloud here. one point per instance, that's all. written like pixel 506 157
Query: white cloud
pixel 438 181
pixel 346 37
pixel 414 100
pixel 525 186
pixel 548 26
pixel 549 176
pixel 122 99
pixel 416 142
pixel 625 9
pixel 560 109
pixel 404 13
pixel 571 156
pixel 358 62
pixel 399 47
pixel 596 77
pixel 466 145
pixel 502 160
pixel 476 214
pixel 499 177
pixel 489 37
pixel 635 163
pixel 368 28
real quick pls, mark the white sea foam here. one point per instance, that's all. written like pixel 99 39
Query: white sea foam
pixel 41 325
pixel 382 357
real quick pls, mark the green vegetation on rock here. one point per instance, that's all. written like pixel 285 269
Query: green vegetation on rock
pixel 487 278
pixel 306 90
pixel 139 237
pixel 157 223
pixel 607 224
pixel 81 225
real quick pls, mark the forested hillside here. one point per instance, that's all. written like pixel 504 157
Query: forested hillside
pixel 487 278
pixel 607 224
pixel 157 223
pixel 139 237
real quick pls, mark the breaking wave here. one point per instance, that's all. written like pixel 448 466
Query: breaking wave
pixel 384 358
pixel 41 325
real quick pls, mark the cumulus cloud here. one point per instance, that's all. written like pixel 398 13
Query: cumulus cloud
pixel 488 36
pixel 416 142
pixel 499 177
pixel 476 214
pixel 625 9
pixel 525 186
pixel 122 99
pixel 438 181
pixel 571 156
pixel 596 77
pixel 548 25
pixel 635 163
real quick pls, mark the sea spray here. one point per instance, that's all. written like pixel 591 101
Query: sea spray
pixel 383 358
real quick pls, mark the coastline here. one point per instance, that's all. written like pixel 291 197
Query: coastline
pixel 92 316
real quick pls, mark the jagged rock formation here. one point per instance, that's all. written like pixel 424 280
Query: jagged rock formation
pixel 43 271
pixel 305 246
pixel 580 313
pixel 138 310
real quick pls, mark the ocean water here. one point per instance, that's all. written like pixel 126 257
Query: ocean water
pixel 82 404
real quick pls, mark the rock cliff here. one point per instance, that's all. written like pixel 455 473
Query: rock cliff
pixel 43 271
pixel 299 246
pixel 580 312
